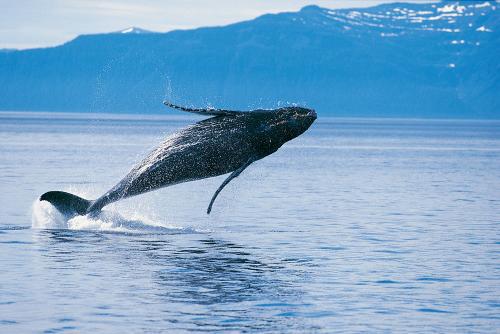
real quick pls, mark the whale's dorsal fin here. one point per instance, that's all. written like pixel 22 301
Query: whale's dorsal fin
pixel 204 112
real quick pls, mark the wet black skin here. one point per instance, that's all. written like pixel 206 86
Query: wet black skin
pixel 226 143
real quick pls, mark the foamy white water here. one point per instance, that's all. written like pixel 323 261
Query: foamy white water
pixel 357 226
pixel 130 220
pixel 45 216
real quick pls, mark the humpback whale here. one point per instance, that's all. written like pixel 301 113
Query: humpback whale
pixel 227 142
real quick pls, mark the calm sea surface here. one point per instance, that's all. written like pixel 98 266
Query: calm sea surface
pixel 357 226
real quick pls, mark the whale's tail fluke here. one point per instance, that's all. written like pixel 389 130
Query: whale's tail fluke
pixel 66 203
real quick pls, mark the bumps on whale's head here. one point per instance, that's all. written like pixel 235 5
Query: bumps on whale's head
pixel 295 120
pixel 273 128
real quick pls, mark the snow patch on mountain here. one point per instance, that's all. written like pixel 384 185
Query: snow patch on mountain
pixel 483 29
pixel 387 21
pixel 134 30
pixel 482 5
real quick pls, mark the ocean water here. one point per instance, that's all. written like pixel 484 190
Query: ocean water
pixel 359 225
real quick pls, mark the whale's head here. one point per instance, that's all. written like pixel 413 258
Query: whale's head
pixel 275 127
pixel 294 121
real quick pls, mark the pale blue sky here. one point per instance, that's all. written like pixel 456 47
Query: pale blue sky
pixel 38 23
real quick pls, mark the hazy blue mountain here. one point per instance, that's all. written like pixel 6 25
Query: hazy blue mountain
pixel 405 60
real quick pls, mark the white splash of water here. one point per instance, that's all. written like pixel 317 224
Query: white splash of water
pixel 46 216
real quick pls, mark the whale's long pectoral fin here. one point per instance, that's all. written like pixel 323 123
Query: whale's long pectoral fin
pixel 204 112
pixel 233 175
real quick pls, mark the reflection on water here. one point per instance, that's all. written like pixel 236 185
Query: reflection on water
pixel 215 272
pixel 204 284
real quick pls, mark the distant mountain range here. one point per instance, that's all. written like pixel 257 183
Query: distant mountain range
pixel 393 60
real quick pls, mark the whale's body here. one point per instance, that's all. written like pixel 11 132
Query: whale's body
pixel 228 142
